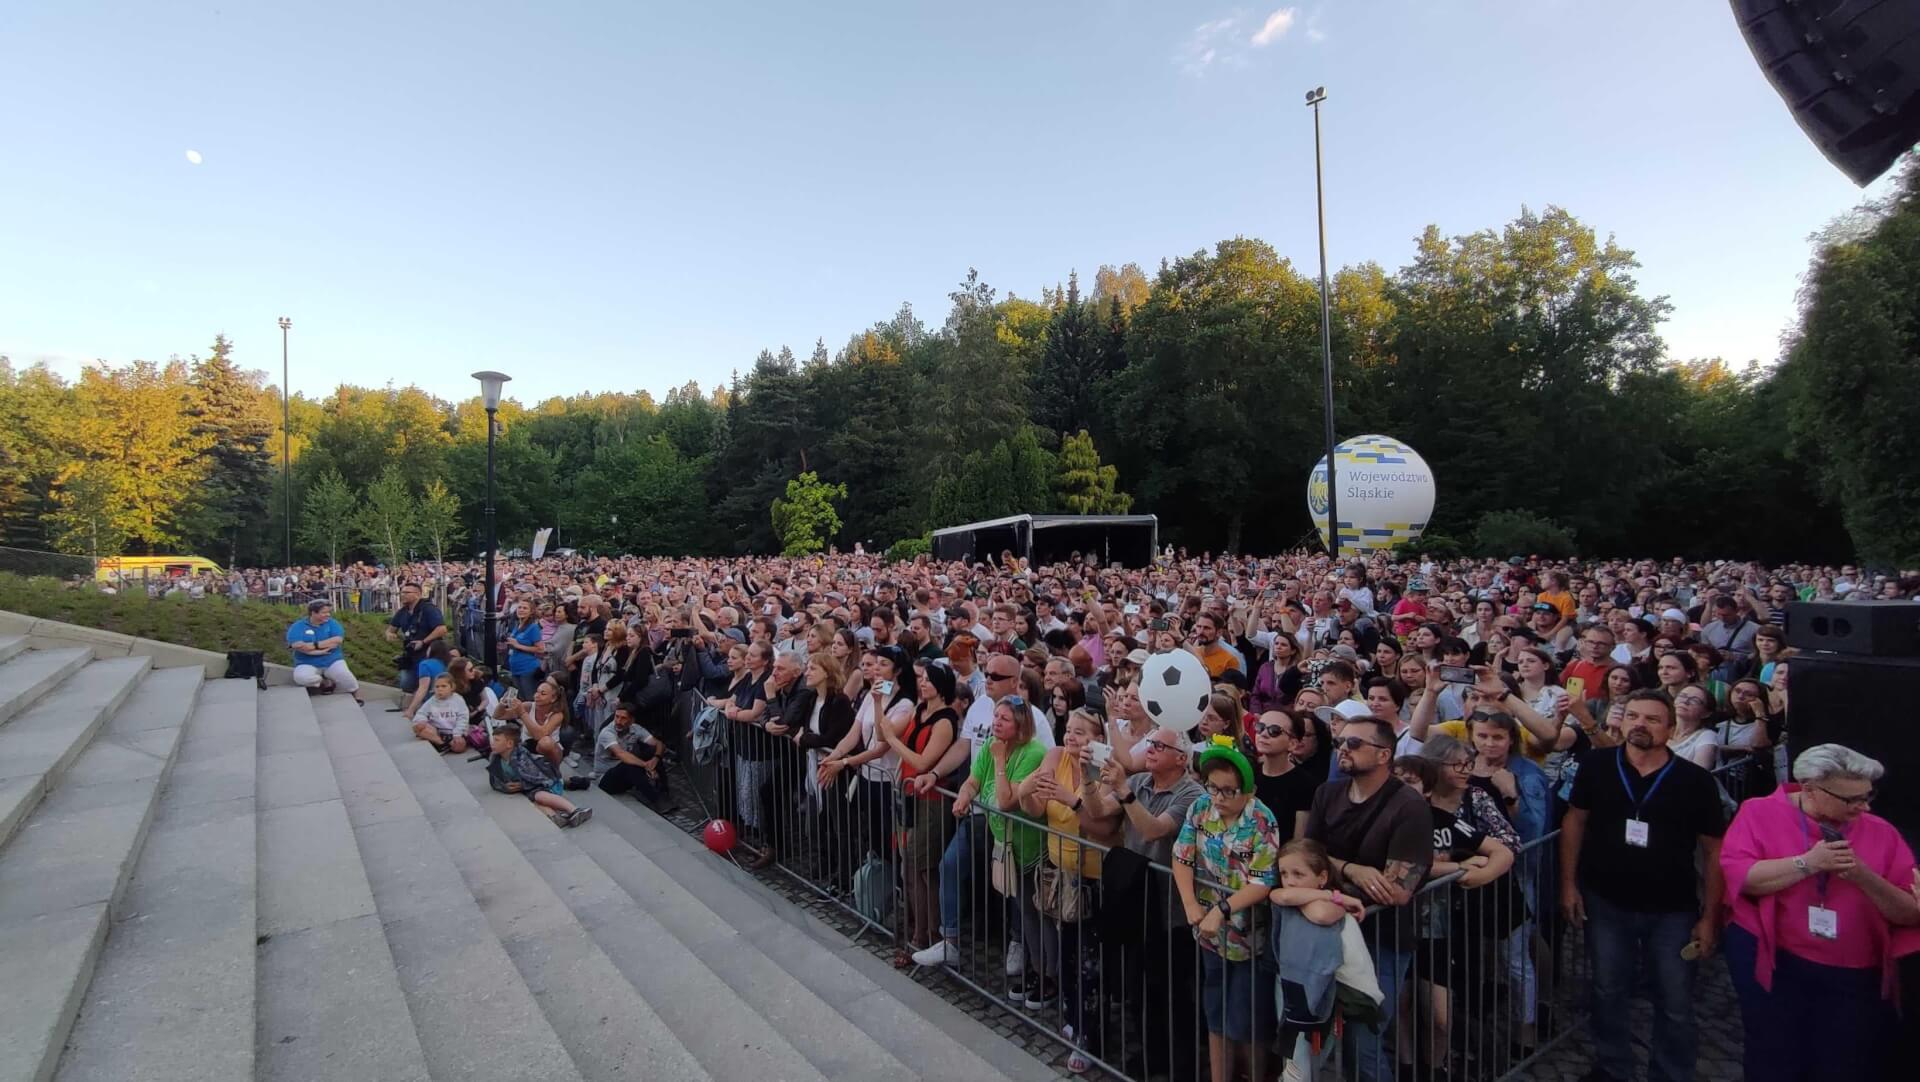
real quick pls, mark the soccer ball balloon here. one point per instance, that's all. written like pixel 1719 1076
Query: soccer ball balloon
pixel 1174 687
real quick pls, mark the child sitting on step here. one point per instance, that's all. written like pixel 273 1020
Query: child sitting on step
pixel 442 720
pixel 515 768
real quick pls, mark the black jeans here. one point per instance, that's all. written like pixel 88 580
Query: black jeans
pixel 627 778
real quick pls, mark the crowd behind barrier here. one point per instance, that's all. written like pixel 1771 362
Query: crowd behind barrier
pixel 1389 843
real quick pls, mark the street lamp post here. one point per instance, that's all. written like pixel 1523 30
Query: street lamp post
pixel 490 385
pixel 1314 97
pixel 286 434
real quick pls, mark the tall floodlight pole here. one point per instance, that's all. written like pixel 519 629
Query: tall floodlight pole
pixel 286 434
pixel 490 386
pixel 1314 97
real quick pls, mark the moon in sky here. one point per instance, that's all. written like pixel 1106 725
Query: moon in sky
pixel 193 157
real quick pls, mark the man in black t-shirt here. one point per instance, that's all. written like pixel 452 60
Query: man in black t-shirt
pixel 415 623
pixel 1642 819
pixel 1379 834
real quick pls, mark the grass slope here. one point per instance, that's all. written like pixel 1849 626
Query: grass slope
pixel 210 624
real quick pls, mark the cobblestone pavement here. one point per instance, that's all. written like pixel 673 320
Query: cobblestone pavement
pixel 1716 1010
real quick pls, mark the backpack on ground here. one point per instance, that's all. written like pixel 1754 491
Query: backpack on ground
pixel 709 736
pixel 873 891
pixel 247 665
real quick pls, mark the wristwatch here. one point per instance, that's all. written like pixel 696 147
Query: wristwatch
pixel 1077 801
pixel 1127 797
pixel 1800 865
pixel 1225 907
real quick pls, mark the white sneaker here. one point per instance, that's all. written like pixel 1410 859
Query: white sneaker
pixel 944 952
pixel 573 761
pixel 1016 958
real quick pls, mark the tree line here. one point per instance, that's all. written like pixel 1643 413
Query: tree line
pixel 1523 362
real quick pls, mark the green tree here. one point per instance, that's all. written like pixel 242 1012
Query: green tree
pixel 805 520
pixel 87 518
pixel 132 424
pixel 1853 373
pixel 1522 533
pixel 388 520
pixel 229 511
pixel 327 512
pixel 1071 364
pixel 1084 486
pixel 439 519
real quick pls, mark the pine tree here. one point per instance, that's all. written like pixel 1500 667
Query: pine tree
pixel 1085 487
pixel 225 412
pixel 1070 366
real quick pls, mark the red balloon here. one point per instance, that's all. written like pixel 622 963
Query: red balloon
pixel 720 836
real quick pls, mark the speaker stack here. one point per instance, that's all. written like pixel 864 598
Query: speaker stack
pixel 1855 680
pixel 1849 70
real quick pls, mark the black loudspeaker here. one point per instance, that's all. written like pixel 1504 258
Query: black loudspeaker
pixel 1861 628
pixel 1870 705
pixel 1848 69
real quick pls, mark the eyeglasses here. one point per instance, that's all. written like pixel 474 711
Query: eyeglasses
pixel 1224 792
pixel 1272 730
pixel 1461 764
pixel 1355 743
pixel 1163 746
pixel 1860 801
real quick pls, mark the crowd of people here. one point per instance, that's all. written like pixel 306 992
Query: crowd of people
pixel 1558 743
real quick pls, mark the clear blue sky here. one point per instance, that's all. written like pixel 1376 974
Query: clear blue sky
pixel 602 195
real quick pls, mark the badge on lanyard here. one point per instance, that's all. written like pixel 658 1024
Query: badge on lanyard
pixel 1637 831
pixel 1823 922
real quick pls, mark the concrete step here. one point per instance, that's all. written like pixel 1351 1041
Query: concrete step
pixel 611 1029
pixel 765 946
pixel 65 872
pixel 38 746
pixel 328 1000
pixel 33 673
pixel 11 645
pixel 172 998
pixel 474 1012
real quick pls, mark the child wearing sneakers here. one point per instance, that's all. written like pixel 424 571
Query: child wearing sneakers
pixel 516 769
pixel 442 719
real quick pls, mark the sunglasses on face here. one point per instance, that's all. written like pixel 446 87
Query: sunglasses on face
pixel 1355 743
pixel 1000 676
pixel 1272 730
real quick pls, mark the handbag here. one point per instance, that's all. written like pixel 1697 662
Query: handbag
pixel 1063 895
pixel 1006 871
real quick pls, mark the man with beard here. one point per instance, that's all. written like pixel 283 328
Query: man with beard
pixel 1379 836
pixel 1640 818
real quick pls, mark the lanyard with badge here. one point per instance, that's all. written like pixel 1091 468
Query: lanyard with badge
pixel 1637 833
pixel 1822 922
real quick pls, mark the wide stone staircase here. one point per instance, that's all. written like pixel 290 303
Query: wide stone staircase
pixel 203 880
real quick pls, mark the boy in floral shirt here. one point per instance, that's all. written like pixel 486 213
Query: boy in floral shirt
pixel 1231 839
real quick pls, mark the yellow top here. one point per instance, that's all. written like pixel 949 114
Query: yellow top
pixel 1062 853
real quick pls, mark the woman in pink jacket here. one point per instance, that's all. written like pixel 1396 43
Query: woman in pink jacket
pixel 1821 909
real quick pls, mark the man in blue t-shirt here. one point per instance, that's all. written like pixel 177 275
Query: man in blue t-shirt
pixel 319 654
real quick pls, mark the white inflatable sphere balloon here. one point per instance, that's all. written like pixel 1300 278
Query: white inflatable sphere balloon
pixel 1386 494
pixel 1174 687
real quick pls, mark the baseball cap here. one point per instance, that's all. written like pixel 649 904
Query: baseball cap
pixel 1416 585
pixel 1137 656
pixel 1345 709
pixel 1545 606
pixel 1675 615
pixel 1347 652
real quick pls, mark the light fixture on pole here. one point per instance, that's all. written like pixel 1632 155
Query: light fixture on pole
pixel 1314 97
pixel 490 386
pixel 286 434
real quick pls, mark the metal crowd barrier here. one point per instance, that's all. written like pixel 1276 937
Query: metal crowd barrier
pixel 1107 966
